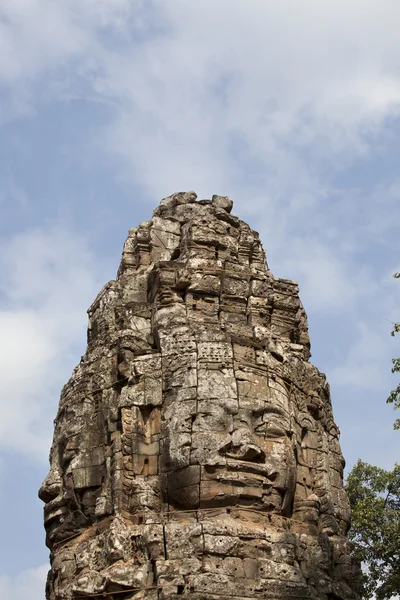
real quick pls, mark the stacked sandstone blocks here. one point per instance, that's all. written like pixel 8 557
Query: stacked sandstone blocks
pixel 195 453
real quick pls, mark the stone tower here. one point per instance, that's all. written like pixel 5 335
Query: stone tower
pixel 195 453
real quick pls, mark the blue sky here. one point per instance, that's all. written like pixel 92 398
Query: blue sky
pixel 106 106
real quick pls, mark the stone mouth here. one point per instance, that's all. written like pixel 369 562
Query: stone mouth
pixel 55 515
pixel 54 508
pixel 240 479
pixel 245 469
pixel 237 481
pixel 55 518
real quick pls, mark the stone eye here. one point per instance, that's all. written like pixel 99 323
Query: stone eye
pixel 268 429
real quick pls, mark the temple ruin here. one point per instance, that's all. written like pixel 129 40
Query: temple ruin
pixel 195 454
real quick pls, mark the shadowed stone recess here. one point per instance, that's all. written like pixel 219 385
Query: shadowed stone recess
pixel 195 452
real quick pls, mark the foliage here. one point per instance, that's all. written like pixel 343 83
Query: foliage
pixel 374 496
pixel 394 397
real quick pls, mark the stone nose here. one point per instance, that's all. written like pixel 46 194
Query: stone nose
pixel 242 446
pixel 51 487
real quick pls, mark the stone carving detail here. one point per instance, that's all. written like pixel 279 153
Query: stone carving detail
pixel 195 453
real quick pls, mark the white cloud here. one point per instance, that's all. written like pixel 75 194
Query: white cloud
pixel 366 361
pixel 38 36
pixel 56 42
pixel 29 583
pixel 196 86
pixel 255 83
pixel 366 365
pixel 48 279
pixel 327 284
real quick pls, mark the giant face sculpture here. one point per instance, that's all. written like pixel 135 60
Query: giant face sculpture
pixel 72 491
pixel 194 398
pixel 239 447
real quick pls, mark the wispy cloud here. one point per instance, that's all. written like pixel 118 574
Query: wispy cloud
pixel 48 279
pixel 30 583
pixel 197 89
pixel 366 363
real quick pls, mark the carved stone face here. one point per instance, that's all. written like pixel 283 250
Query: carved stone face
pixel 201 432
pixel 231 444
pixel 51 493
pixel 77 470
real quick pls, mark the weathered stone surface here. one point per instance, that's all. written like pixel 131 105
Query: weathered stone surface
pixel 195 452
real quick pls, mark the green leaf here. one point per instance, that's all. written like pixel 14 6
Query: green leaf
pixel 374 496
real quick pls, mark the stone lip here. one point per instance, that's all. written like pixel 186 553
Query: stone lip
pixel 195 451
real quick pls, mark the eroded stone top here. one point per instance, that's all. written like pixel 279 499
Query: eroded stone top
pixel 195 453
